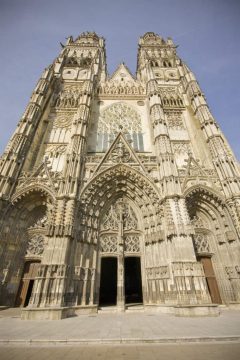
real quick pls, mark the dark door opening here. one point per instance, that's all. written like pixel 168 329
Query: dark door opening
pixel 108 281
pixel 211 280
pixel 133 280
pixel 29 292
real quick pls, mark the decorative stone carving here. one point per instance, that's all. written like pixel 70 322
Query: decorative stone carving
pixel 132 243
pixel 120 89
pixel 63 120
pixel 36 245
pixel 79 61
pixel 118 228
pixel 111 220
pixel 180 147
pixel 151 38
pixel 89 38
pixel 117 213
pixel 108 243
pixel 120 154
pixel 118 116
pixel 201 243
pixel 160 272
pixel 55 150
pixel 175 120
pixel 171 98
pixel 121 84
pixel 68 97
pixel 42 178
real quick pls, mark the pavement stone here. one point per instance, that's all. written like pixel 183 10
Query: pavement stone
pixel 116 328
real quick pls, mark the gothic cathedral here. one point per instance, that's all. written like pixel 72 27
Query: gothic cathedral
pixel 118 191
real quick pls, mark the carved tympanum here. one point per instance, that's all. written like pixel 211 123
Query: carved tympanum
pixel 119 226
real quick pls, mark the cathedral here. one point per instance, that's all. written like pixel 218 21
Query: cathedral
pixel 118 192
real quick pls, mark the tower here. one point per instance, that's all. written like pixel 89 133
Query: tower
pixel 118 189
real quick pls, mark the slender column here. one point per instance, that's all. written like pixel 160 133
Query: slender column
pixel 120 272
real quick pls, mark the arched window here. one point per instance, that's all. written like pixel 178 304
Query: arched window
pixel 115 118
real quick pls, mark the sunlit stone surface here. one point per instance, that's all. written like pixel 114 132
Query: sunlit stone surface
pixel 118 190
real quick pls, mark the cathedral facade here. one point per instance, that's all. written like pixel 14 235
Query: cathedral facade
pixel 118 190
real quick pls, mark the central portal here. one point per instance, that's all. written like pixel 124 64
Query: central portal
pixel 120 256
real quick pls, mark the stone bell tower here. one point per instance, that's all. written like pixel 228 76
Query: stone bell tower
pixel 118 190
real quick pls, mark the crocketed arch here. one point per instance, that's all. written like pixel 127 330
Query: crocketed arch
pixel 24 201
pixel 121 181
pixel 19 217
pixel 33 188
pixel 214 233
pixel 207 201
pixel 208 207
pixel 119 117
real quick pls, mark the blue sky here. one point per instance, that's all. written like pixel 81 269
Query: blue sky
pixel 207 33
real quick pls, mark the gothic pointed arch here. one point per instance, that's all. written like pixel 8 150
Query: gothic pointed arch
pixel 215 193
pixel 208 200
pixel 214 239
pixel 24 235
pixel 209 206
pixel 121 178
pixel 42 189
pixel 114 183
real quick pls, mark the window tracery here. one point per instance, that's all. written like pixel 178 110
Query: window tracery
pixel 201 243
pixel 120 226
pixel 120 212
pixel 108 243
pixel 119 117
pixel 36 245
pixel 132 243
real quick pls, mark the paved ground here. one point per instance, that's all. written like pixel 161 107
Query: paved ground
pixel 217 351
pixel 118 328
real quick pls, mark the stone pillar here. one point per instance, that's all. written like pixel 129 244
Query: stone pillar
pixel 120 270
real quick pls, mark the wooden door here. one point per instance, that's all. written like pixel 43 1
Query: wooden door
pixel 211 280
pixel 26 283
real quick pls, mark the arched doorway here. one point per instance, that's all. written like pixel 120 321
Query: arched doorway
pixel 120 255
pixel 26 284
pixel 210 219
pixel 24 242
